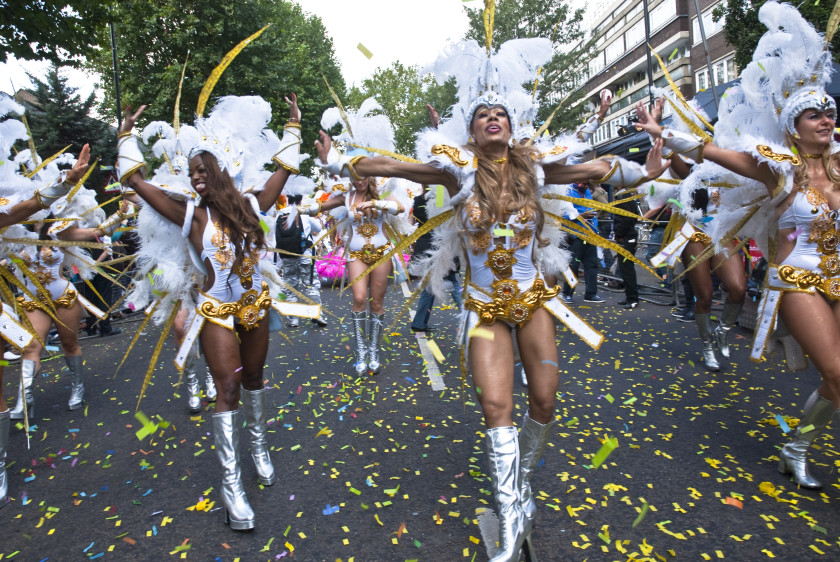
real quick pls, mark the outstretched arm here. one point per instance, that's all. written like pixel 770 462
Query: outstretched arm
pixel 287 159
pixel 46 195
pixel 381 166
pixel 174 211
pixel 741 163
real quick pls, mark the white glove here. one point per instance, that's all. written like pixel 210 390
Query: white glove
pixel 310 208
pixel 130 158
pixel 51 193
pixel 338 165
pixel 387 205
pixel 684 144
pixel 288 157
pixel 623 173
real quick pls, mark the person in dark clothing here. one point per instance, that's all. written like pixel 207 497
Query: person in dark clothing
pixel 583 253
pixel 420 322
pixel 625 235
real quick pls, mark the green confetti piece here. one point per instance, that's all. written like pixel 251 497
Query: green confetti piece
pixel 438 196
pixel 630 400
pixel 793 149
pixel 609 398
pixel 268 545
pixel 295 448
pixel 503 232
pixel 608 447
pixel 632 150
pixel 355 491
pixel 806 429
pixel 365 51
pixel 641 515
pixel 264 226
pixel 675 202
pixel 759 66
pixel 148 428
pixel 571 422
pixel 674 54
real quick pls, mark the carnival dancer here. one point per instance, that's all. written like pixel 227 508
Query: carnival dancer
pixel 776 133
pixel 225 227
pixel 492 187
pixel 20 199
pixel 698 207
pixel 369 213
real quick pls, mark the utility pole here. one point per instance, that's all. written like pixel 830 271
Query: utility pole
pixel 647 42
pixel 706 50
pixel 116 71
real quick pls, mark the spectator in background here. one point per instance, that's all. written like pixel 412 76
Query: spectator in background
pixel 583 253
pixel 626 237
pixel 605 225
pixel 420 322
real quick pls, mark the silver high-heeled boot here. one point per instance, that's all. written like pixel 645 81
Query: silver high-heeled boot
pixel 532 440
pixel 727 321
pixel 4 444
pixel 376 329
pixel 256 415
pixel 503 457
pixel 793 456
pixel 27 373
pixel 209 387
pixel 704 327
pixel 193 388
pixel 359 320
pixel 238 512
pixel 77 381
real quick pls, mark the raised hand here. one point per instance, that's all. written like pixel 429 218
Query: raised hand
pixel 434 118
pixel 654 164
pixel 294 110
pixel 78 170
pixel 646 122
pixel 131 119
pixel 323 145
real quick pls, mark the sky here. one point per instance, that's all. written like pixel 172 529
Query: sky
pixel 410 32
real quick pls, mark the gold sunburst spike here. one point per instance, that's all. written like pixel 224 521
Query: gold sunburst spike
pixel 548 121
pixel 338 104
pixel 156 353
pixel 176 118
pixel 46 162
pixel 81 182
pixel 137 334
pixel 489 21
pixel 832 25
pixel 681 98
pixel 219 70
pixel 383 152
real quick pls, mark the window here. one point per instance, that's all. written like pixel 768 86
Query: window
pixel 702 78
pixel 709 26
pixel 635 34
pixel 614 50
pixel 662 14
pixel 637 9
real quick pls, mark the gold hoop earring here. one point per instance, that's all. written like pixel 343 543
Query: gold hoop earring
pixel 470 140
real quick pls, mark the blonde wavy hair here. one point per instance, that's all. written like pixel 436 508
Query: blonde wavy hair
pixel 831 163
pixel 521 182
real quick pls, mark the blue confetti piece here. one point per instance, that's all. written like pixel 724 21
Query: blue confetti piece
pixel 330 509
pixel 89 547
pixel 551 363
pixel 782 423
pixel 411 380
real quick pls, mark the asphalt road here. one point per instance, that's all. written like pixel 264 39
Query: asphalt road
pixel 387 468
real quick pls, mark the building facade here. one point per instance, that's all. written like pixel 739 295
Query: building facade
pixel 621 66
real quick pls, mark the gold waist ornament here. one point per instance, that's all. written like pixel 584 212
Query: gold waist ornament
pixel 369 254
pixel 66 300
pixel 805 280
pixel 701 237
pixel 249 309
pixel 509 303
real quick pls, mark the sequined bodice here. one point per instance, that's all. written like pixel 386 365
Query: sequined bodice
pixel 228 283
pixel 45 264
pixel 817 237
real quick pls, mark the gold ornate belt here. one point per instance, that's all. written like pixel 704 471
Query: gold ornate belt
pixel 806 280
pixel 66 300
pixel 508 303
pixel 249 309
pixel 369 254
pixel 700 236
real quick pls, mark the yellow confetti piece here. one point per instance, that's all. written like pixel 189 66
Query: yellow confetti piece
pixel 481 333
pixel 365 51
pixel 376 516
pixel 433 347
pixel 608 447
pixel 148 428
pixel 503 232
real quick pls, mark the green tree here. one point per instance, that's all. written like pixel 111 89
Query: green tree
pixel 155 37
pixel 558 21
pixel 403 95
pixel 743 30
pixel 58 30
pixel 59 117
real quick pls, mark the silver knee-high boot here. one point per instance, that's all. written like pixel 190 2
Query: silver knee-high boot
pixel 4 445
pixel 532 440
pixel 376 330
pixel 359 320
pixel 514 526
pixel 727 321
pixel 704 327
pixel 793 456
pixel 193 388
pixel 77 381
pixel 238 512
pixel 256 415
pixel 27 374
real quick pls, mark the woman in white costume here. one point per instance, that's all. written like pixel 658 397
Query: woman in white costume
pixel 493 185
pixel 777 135
pixel 224 228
